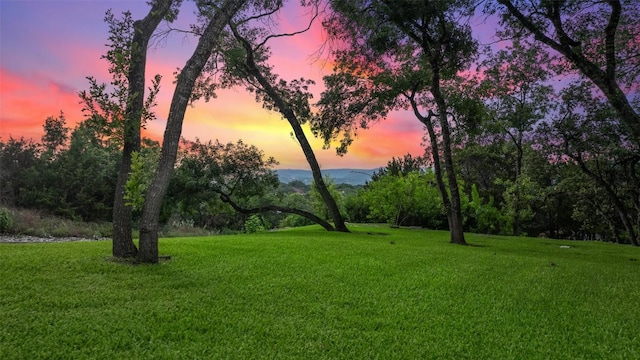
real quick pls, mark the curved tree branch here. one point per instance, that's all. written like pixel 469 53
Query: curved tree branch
pixel 265 208
pixel 272 36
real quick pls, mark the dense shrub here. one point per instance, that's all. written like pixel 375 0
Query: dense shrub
pixel 6 221
pixel 254 224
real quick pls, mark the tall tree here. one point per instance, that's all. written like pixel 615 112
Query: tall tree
pixel 56 134
pixel 134 117
pixel 118 112
pixel 243 61
pixel 597 38
pixel 589 133
pixel 398 54
pixel 219 15
pixel 516 90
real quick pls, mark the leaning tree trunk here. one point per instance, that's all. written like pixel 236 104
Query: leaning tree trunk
pixel 123 246
pixel 330 202
pixel 290 116
pixel 148 252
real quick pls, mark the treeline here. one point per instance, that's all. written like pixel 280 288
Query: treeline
pixel 228 187
pixel 220 187
pixel 70 174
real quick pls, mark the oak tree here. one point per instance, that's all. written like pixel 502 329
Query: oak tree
pixel 397 55
pixel 598 39
pixel 218 15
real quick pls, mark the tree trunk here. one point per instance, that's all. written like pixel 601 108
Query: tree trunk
pixel 455 223
pixel 123 246
pixel 290 116
pixel 149 221
pixel 435 153
pixel 332 206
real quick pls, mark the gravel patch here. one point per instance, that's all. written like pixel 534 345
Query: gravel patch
pixel 37 239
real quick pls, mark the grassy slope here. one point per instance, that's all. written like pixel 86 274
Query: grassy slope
pixel 312 294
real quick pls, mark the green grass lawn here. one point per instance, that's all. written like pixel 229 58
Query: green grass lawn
pixel 308 294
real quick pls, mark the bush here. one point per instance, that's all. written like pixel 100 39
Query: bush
pixel 6 221
pixel 293 220
pixel 405 200
pixel 254 224
pixel 482 216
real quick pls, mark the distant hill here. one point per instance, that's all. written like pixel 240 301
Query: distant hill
pixel 339 176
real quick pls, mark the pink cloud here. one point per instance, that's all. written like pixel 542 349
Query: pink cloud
pixel 47 80
pixel 27 101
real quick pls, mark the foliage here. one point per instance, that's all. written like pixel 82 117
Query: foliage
pixel 318 204
pixel 598 40
pixel 472 160
pixel 520 197
pixel 241 59
pixel 527 297
pixel 516 90
pixel 410 199
pixel 591 210
pixel 135 186
pixel 6 220
pixel 401 166
pixel 211 170
pixel 56 134
pixel 483 216
pixel 356 208
pixel 254 224
pixel 77 182
pixel 293 220
pixel 105 105
pixel 386 53
pixel 20 163
pixel 143 165
pixel 589 134
pixel 400 55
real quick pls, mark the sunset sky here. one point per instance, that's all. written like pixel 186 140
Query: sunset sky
pixel 49 47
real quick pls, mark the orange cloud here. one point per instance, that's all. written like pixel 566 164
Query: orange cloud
pixel 394 137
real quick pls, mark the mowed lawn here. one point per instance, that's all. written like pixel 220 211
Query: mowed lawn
pixel 376 293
